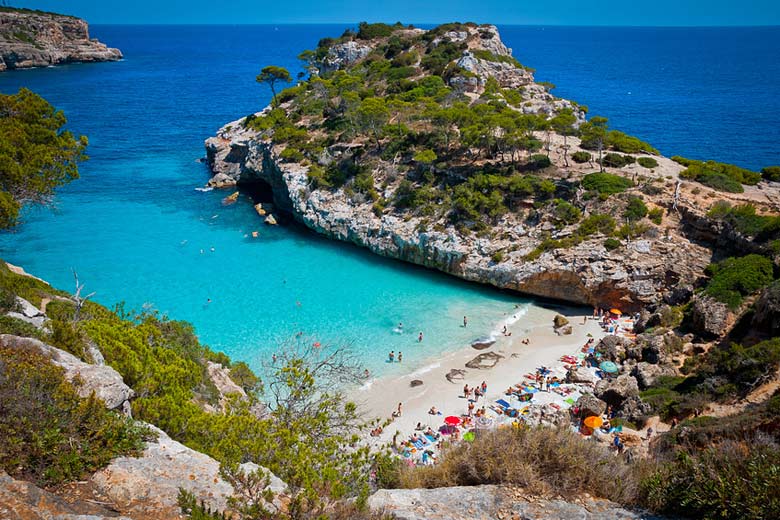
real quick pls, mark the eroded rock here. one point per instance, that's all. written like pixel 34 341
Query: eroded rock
pixel 484 361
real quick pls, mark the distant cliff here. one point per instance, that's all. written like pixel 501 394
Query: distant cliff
pixel 39 39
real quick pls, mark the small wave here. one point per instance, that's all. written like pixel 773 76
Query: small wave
pixel 515 316
pixel 204 188
pixel 425 369
pixel 367 385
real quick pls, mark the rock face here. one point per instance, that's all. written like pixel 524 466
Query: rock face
pixel 489 503
pixel 591 405
pixel 711 318
pixel 148 486
pixel 101 379
pixel 767 316
pixel 20 500
pixel 36 39
pixel 615 391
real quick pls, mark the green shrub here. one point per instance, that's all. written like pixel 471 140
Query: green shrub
pixel 647 162
pixel 581 157
pixel 632 230
pixel 734 278
pixel 635 209
pixel 17 327
pixel 50 435
pixel 539 162
pixel 497 257
pixel 656 215
pixel 291 154
pixel 771 173
pixel 369 31
pixel 744 219
pixel 719 176
pixel 486 55
pixel 615 160
pixel 628 144
pixel 606 183
pixel 603 224
pixel 566 213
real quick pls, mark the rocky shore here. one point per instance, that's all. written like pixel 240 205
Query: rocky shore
pixel 31 39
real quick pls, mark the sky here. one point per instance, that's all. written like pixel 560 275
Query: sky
pixel 500 12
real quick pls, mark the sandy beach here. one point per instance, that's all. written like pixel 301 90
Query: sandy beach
pixel 381 396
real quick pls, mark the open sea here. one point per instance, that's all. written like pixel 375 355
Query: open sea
pixel 137 231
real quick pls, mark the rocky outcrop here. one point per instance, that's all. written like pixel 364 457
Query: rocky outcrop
pixel 37 39
pixel 103 380
pixel 148 486
pixel 766 319
pixel 647 373
pixel 616 391
pixel 28 312
pixel 489 503
pixel 20 500
pixel 589 405
pixel 710 317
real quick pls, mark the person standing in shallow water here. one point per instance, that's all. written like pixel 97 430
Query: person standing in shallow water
pixel 419 338
pixel 392 356
pixel 400 356
pixel 465 321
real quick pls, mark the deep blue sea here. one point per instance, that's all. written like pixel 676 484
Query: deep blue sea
pixel 136 230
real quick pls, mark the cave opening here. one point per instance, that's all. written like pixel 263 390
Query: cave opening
pixel 258 190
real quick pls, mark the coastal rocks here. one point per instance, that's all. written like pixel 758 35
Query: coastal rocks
pixel 343 55
pixel 20 500
pixel 271 220
pixel 564 331
pixel 37 39
pixel 559 321
pixel 615 391
pixel 710 317
pixel 613 347
pixel 104 381
pixel 221 180
pixel 634 409
pixel 230 199
pixel 220 376
pixel 28 312
pixel 415 383
pixel 590 405
pixel 483 343
pixel 766 319
pixel 647 373
pixel 490 502
pixel 148 486
pixel 484 361
pixel 578 374
pixel 455 374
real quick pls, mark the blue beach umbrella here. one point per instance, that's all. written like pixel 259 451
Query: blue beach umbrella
pixel 609 367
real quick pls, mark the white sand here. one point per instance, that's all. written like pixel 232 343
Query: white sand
pixel 545 349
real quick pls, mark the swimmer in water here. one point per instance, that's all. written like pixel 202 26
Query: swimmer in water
pixel 419 338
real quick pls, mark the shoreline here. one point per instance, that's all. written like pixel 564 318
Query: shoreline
pixel 380 397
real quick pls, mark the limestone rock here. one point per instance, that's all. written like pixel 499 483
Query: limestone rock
pixel 483 343
pixel 37 39
pixel 491 502
pixel 647 373
pixel 559 321
pixel 767 316
pixel 634 409
pixel 416 382
pixel 613 347
pixel 711 318
pixel 616 390
pixel 260 210
pixel 220 376
pixel 103 380
pixel 345 54
pixel 484 360
pixel 271 220
pixel 455 374
pixel 578 374
pixel 565 330
pixel 589 405
pixel 20 500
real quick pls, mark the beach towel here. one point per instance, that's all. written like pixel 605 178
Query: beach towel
pixel 430 438
pixel 503 403
pixel 419 445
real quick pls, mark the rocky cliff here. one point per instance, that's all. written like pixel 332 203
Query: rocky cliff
pixel 513 254
pixel 37 39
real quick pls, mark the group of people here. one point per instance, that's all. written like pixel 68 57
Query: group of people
pixel 391 356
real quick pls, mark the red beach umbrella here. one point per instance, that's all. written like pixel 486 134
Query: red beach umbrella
pixel 452 420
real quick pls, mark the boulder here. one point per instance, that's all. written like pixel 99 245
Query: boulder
pixel 616 390
pixel 489 502
pixel 271 220
pixel 221 180
pixel 20 500
pixel 230 199
pixel 566 330
pixel 415 383
pixel 103 380
pixel 260 210
pixel 613 347
pixel 634 409
pixel 648 373
pixel 559 321
pixel 483 343
pixel 589 405
pixel 766 319
pixel 484 360
pixel 711 318
pixel 578 374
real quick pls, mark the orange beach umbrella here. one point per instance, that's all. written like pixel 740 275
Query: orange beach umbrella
pixel 593 421
pixel 615 311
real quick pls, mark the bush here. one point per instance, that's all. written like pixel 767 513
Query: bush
pixel 50 435
pixel 628 144
pixel 581 157
pixel 656 215
pixel 719 176
pixel 745 220
pixel 603 224
pixel 771 173
pixel 734 278
pixel 615 160
pixel 539 162
pixel 606 183
pixel 611 244
pixel 566 213
pixel 635 209
pixel 647 162
pixel 369 31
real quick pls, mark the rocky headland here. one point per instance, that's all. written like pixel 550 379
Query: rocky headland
pixel 38 39
pixel 530 248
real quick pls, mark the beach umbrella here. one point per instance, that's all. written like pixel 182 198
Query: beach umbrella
pixel 616 312
pixel 593 421
pixel 468 436
pixel 609 367
pixel 452 420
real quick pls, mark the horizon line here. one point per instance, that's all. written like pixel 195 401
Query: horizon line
pixel 419 24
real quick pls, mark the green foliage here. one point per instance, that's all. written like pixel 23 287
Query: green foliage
pixel 17 327
pixel 656 215
pixel 632 230
pixel 426 156
pixel 486 55
pixel 647 162
pixel 50 435
pixel 747 366
pixel 606 183
pixel 581 157
pixel 565 213
pixel 36 154
pixel 635 209
pixel 539 162
pixel 719 176
pixel 272 75
pixel 628 144
pixel 593 134
pixel 734 278
pixel 744 219
pixel 615 160
pixel 369 31
pixel 437 58
pixel 771 173
pixel 603 224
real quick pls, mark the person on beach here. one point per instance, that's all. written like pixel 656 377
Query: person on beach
pixel 399 409
pixel 504 331
pixel 477 393
pixel 392 356
pixel 466 391
pixel 366 374
pixel 400 356
pixel 484 387
pixel 471 408
pixel 419 338
pixel 465 321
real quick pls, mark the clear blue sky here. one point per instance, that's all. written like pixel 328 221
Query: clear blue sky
pixel 531 12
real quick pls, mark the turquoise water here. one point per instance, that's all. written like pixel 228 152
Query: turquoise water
pixel 134 226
